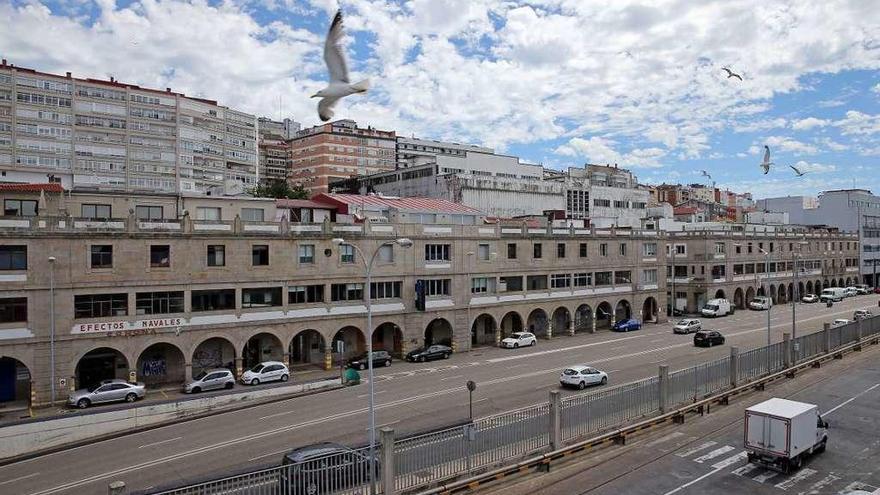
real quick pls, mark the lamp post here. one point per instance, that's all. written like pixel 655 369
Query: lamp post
pixel 797 293
pixel 767 294
pixel 52 325
pixel 368 267
pixel 469 293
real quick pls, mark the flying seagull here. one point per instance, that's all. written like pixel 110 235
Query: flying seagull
pixel 339 85
pixel 766 163
pixel 798 172
pixel 730 73
pixel 705 174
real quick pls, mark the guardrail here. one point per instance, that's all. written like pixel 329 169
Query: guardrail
pixel 434 458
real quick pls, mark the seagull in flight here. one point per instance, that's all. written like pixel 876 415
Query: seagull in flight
pixel 339 85
pixel 730 73
pixel 798 172
pixel 705 174
pixel 766 163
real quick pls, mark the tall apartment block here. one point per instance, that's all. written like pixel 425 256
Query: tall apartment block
pixel 274 150
pixel 339 150
pixel 108 135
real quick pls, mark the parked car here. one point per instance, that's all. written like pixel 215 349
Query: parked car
pixel 687 325
pixel 116 390
pixel 210 380
pixel 839 322
pixel 581 375
pixel 380 358
pixel 708 338
pixel 761 303
pixel 863 289
pixel 423 354
pixel 325 468
pixel 834 294
pixel 267 371
pixel 627 324
pixel 717 307
pixel 861 314
pixel 877 290
pixel 519 339
pixel 810 298
pixel 850 291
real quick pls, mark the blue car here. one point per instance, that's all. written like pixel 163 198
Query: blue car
pixel 626 325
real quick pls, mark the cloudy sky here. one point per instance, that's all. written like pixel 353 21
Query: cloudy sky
pixel 558 82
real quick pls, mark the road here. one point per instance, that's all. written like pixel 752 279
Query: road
pixel 706 455
pixel 410 397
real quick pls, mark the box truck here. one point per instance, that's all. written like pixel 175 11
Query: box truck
pixel 835 294
pixel 717 307
pixel 780 433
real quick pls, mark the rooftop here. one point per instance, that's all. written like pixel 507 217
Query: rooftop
pixel 404 204
pixel 31 188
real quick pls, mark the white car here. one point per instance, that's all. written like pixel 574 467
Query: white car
pixel 582 375
pixel 519 339
pixel 267 371
pixel 687 325
pixel 839 322
pixel 810 298
pixel 861 314
pixel 851 291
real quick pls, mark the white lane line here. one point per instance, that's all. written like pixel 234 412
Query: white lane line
pixel 713 454
pixel 748 468
pixel 766 475
pixel 854 397
pixel 375 393
pixel 816 488
pixel 801 475
pixel 730 461
pixel 450 377
pixel 697 480
pixel 269 455
pixel 19 478
pixel 384 424
pixel 693 450
pixel 613 371
pixel 562 349
pixel 664 439
pixel 159 442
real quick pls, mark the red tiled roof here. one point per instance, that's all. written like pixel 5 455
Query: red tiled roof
pixel 411 204
pixel 53 187
pixel 685 210
pixel 303 203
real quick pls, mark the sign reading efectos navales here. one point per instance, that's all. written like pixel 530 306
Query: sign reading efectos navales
pixel 118 326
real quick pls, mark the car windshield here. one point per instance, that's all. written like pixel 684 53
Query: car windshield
pixel 201 375
pixel 683 322
pixel 570 372
pixel 713 307
pixel 258 368
pixel 517 335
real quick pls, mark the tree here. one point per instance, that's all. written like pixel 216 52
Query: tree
pixel 279 189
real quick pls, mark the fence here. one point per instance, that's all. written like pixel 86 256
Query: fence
pixel 430 458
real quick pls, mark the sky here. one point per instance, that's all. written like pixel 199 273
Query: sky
pixel 556 82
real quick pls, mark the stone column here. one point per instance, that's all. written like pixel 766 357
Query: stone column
pixel 555 420
pixel 734 365
pixel 328 358
pixel 188 371
pixel 386 454
pixel 826 342
pixel 786 349
pixel 571 328
pixel 286 359
pixel 595 315
pixel 549 328
pixel 663 383
pixel 238 368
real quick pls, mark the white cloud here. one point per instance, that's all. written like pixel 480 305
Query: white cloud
pixel 833 145
pixel 782 143
pixel 858 123
pixel 876 88
pixel 760 125
pixel 601 151
pixel 814 167
pixel 809 123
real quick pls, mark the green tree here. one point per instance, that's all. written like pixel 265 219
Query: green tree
pixel 279 189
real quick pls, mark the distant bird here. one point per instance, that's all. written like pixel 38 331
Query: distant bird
pixel 766 163
pixel 705 174
pixel 339 85
pixel 730 73
pixel 798 172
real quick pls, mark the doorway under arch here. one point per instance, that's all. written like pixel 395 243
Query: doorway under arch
pixel 561 321
pixel 739 298
pixel 604 316
pixel 750 294
pixel 307 348
pixel 161 364
pixel 538 322
pixel 719 294
pixel 351 341
pixel 439 331
pixel 215 352
pixel 511 323
pixel 649 310
pixel 103 363
pixel 15 383
pixel 389 337
pixel 483 331
pixel 622 310
pixel 261 347
pixel 583 318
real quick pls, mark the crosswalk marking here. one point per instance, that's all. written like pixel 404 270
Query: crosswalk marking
pixel 666 438
pixel 730 461
pixel 801 475
pixel 693 450
pixel 766 475
pixel 748 468
pixel 715 453
pixel 817 487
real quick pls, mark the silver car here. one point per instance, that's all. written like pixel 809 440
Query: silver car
pixel 210 380
pixel 107 391
pixel 687 325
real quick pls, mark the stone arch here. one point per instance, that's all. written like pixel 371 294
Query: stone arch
pixel 790 293
pixel 808 287
pixel 561 319
pixel 848 281
pixel 750 294
pixel 438 331
pixel 352 341
pixel 583 318
pixel 100 363
pixel 761 292
pixel 739 298
pixel 719 294
pixel 263 346
pixel 818 287
pixel 772 294
pixel 649 310
pixel 604 316
pixel 483 331
pixel 801 290
pixel 511 323
pixel 622 310
pixel 15 382
pixel 782 294
pixel 538 322
pixel 389 337
pixel 161 363
pixel 307 348
pixel 213 352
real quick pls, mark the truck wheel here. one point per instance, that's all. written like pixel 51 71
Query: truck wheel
pixel 821 447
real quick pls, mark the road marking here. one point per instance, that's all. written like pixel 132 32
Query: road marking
pixel 817 487
pixel 159 442
pixel 730 461
pixel 268 455
pixel 19 478
pixel 715 453
pixel 854 397
pixel 375 393
pixel 748 468
pixel 689 483
pixel 666 438
pixel 766 475
pixel 801 475
pixel 562 349
pixel 693 450
pixel 384 425
pixel 451 377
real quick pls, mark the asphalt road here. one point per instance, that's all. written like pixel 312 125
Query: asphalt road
pixel 706 455
pixel 409 397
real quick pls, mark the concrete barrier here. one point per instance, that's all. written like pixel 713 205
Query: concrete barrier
pixel 32 436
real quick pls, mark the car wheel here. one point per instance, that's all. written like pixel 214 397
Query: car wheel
pixel 362 366
pixel 422 359
pixel 604 380
pixel 131 397
pixel 582 386
pixel 196 390
pixel 446 356
pixel 516 345
pixel 83 403
pixel 284 378
pixel 533 343
pixel 387 363
pixel 228 385
pixel 255 381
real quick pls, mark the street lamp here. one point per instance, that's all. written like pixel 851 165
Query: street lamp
pixel 52 325
pixel 767 294
pixel 368 266
pixel 469 293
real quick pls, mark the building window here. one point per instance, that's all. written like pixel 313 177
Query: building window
pixel 603 278
pixel 157 303
pixel 649 276
pixel 537 250
pixel 649 249
pixel 386 254
pixel 583 279
pixel 160 256
pixel 680 249
pixel 560 281
pixel 306 253
pixel 738 269
pixel 260 255
pixel 738 248
pixel 20 208
pixel 13 309
pixel 582 248
pixel 622 249
pixel 750 248
pixel 148 212
pixel 262 297
pixel 536 282
pixel 13 257
pixel 217 255
pixel 385 290
pixel 437 287
pixel 511 251
pixel 100 305
pixel 346 253
pixel 512 284
pixel 207 213
pixel 718 272
pixel 482 285
pixel 346 292
pixel 622 277
pixel 252 214
pixel 213 300
pixel 304 294
pixel 560 250
pixel 437 252
pixel 603 249
pixel 95 211
pixel 102 256
pixel 483 251
pixel 771 246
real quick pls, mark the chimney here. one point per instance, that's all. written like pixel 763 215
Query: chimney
pixel 111 79
pixel 167 90
pixel 4 61
pixel 68 75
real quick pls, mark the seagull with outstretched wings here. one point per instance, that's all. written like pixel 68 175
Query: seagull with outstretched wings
pixel 705 174
pixel 798 172
pixel 730 73
pixel 766 163
pixel 339 86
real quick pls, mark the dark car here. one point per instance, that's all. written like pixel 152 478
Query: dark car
pixel 423 354
pixel 325 468
pixel 380 358
pixel 626 325
pixel 708 338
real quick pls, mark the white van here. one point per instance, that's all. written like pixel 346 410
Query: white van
pixel 717 307
pixel 835 294
pixel 761 303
